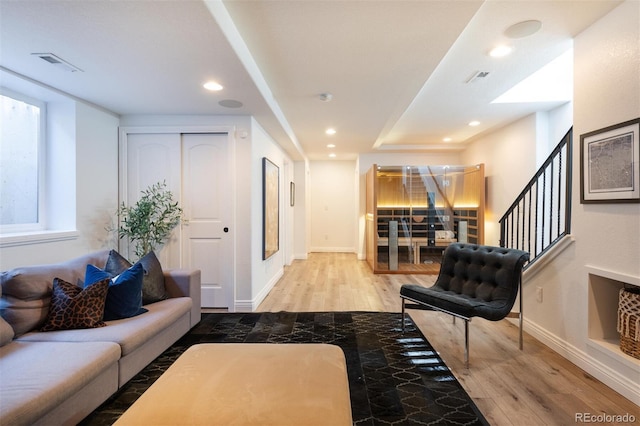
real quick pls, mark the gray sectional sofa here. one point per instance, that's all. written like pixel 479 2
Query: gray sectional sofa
pixel 59 377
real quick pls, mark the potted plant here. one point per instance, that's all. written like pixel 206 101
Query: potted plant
pixel 149 222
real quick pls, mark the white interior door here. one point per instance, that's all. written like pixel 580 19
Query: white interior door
pixel 207 237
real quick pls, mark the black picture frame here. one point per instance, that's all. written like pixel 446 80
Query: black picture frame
pixel 610 163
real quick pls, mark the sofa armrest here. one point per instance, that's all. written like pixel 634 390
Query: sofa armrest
pixel 185 283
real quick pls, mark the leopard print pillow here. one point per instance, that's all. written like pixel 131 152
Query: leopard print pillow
pixel 74 307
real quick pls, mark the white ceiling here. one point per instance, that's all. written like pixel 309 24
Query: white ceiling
pixel 397 69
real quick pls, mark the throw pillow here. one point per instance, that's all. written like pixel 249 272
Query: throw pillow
pixel 116 263
pixel 153 289
pixel 73 307
pixel 124 297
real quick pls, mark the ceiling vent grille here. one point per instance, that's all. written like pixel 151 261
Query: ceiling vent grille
pixel 477 75
pixel 57 61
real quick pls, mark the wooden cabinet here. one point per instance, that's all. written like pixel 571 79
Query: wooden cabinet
pixel 430 206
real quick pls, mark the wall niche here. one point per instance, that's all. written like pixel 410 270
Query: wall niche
pixel 604 289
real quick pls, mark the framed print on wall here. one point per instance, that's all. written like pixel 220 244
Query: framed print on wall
pixel 609 164
pixel 270 208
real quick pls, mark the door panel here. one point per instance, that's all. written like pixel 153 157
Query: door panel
pixel 207 206
pixel 152 158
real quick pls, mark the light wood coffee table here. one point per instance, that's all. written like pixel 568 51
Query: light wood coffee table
pixel 248 384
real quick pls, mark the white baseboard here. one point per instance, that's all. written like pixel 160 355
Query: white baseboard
pixel 333 249
pixel 252 305
pixel 616 381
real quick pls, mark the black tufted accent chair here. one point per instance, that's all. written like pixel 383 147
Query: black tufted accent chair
pixel 474 281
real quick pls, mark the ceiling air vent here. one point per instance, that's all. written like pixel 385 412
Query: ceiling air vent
pixel 57 61
pixel 477 75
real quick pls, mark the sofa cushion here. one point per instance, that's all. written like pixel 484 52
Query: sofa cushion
pixel 153 288
pixel 75 307
pixel 129 333
pixel 6 332
pixel 26 291
pixel 39 376
pixel 124 297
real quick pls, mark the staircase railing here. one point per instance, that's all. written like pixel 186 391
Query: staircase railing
pixel 541 215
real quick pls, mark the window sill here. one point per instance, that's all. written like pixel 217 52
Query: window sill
pixel 28 238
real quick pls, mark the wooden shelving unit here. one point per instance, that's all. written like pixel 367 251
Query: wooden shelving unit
pixel 425 211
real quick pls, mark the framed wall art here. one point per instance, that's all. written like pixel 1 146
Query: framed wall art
pixel 270 208
pixel 609 163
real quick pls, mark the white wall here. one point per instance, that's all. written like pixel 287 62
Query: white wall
pixel 509 156
pixel 302 211
pixel 96 177
pixel 606 236
pixel 333 206
pixel 266 273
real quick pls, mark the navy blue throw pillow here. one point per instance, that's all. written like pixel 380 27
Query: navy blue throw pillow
pixel 124 297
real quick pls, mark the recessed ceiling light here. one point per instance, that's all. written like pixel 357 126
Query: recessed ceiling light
pixel 500 51
pixel 331 145
pixel 523 29
pixel 330 131
pixel 474 123
pixel 213 86
pixel 446 140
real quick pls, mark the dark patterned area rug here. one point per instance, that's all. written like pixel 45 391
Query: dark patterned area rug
pixel 394 378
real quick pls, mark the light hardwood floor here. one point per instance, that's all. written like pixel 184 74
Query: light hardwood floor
pixel 535 386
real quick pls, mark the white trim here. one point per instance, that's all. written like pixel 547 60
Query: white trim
pixel 29 238
pixel 332 250
pixel 546 258
pixel 252 305
pixel 612 275
pixel 221 15
pixel 616 381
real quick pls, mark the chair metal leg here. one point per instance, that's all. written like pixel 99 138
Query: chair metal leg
pixel 466 343
pixel 520 314
pixel 402 316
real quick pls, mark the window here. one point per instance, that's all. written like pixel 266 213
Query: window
pixel 21 163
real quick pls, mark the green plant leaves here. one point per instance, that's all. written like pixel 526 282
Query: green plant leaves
pixel 150 220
